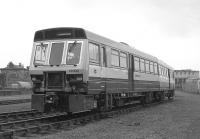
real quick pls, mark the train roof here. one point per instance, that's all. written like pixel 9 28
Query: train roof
pixel 124 47
pixel 118 45
pixel 80 33
pixel 60 33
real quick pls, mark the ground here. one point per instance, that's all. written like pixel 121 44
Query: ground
pixel 15 107
pixel 179 119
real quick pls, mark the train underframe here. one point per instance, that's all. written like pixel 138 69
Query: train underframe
pixel 74 103
pixel 57 91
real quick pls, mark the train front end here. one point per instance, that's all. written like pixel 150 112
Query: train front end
pixel 59 71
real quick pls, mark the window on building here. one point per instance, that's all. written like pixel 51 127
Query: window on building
pixel 115 58
pixel 137 64
pixel 94 53
pixel 123 60
pixel 142 65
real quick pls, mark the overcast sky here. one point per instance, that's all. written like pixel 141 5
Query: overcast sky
pixel 167 29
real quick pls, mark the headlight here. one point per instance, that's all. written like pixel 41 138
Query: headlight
pixel 33 79
pixel 79 78
pixel 38 78
pixel 74 77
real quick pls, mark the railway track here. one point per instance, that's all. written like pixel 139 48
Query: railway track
pixel 28 123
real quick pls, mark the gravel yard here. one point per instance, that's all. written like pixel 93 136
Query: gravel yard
pixel 179 119
pixel 15 107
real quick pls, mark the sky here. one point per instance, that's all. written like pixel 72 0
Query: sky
pixel 167 29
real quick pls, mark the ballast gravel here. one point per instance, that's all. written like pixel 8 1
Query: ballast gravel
pixel 179 119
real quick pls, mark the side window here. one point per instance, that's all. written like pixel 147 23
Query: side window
pixel 123 60
pixel 160 72
pixel 151 67
pixel 147 66
pixel 142 65
pixel 163 71
pixel 94 53
pixel 155 68
pixel 114 58
pixel 103 57
pixel 137 63
pixel 168 73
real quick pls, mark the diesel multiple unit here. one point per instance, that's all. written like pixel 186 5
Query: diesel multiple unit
pixel 74 70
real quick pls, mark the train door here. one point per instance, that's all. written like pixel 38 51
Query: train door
pixel 169 76
pixel 103 67
pixel 94 80
pixel 131 73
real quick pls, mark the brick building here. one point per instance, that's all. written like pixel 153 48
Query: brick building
pixel 185 76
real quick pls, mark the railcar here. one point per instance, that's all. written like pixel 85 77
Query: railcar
pixel 74 70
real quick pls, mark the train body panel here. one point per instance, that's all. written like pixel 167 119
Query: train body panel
pixel 143 81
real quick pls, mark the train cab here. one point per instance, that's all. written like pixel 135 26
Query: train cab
pixel 58 68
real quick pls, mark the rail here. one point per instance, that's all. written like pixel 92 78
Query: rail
pixel 46 123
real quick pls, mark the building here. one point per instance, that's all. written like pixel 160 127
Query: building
pixel 13 76
pixel 181 77
pixel 192 85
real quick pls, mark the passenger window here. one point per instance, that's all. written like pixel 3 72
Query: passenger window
pixel 103 57
pixel 115 58
pixel 142 65
pixel 160 70
pixel 167 73
pixel 147 66
pixel 164 71
pixel 136 64
pixel 151 67
pixel 123 60
pixel 155 68
pixel 94 53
